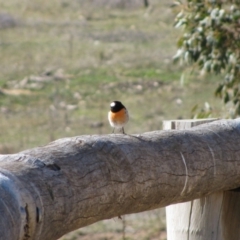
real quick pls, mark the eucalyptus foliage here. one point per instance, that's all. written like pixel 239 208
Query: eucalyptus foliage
pixel 211 41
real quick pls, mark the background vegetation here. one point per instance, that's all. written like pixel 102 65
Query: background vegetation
pixel 63 62
pixel 211 43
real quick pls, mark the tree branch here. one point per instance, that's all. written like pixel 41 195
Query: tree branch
pixel 70 183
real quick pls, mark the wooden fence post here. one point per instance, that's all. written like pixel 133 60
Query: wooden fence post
pixel 214 217
pixel 48 191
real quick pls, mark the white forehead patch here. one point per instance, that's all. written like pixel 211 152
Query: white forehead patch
pixel 112 104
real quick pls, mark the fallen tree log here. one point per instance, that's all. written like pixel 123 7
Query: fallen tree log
pixel 70 183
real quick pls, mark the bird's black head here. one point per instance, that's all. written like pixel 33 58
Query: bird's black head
pixel 116 106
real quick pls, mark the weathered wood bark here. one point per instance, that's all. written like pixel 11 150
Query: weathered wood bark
pixel 213 217
pixel 73 182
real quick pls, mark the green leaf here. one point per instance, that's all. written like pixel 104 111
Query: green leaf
pixel 226 98
pixel 194 108
pixel 211 39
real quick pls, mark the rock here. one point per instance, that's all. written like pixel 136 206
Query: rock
pixel 7 21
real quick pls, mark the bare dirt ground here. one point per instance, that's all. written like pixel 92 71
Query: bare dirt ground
pixel 142 226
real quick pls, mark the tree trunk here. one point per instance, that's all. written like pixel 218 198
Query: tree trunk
pixel 213 217
pixel 70 183
pixel 146 3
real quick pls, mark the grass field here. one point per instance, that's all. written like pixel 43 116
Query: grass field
pixel 63 62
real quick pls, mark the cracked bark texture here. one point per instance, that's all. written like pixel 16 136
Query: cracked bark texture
pixel 70 183
pixel 212 217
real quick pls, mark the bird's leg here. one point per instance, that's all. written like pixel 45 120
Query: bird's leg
pixel 123 130
pixel 113 130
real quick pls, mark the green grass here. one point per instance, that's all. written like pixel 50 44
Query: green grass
pixel 105 54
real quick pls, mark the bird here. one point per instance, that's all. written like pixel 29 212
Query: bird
pixel 118 116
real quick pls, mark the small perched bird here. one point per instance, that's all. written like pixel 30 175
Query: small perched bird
pixel 118 116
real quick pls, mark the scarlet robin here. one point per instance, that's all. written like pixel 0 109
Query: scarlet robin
pixel 118 116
